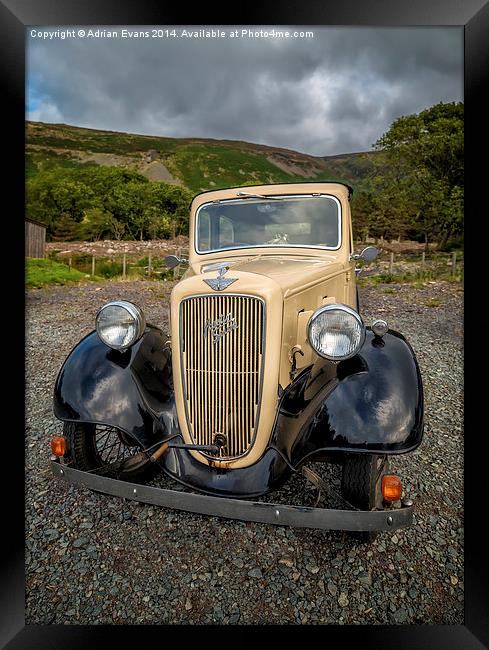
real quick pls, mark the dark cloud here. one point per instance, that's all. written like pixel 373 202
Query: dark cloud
pixel 334 93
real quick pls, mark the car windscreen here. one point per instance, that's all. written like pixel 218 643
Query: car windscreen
pixel 282 221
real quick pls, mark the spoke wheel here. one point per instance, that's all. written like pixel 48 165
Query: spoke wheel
pixel 101 449
pixel 109 447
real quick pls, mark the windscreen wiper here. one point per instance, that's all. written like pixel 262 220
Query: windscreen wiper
pixel 260 196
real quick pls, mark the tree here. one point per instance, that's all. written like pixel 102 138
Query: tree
pixel 54 195
pixel 66 229
pixel 423 166
pixel 158 224
pixel 172 203
pixel 107 202
pixel 119 229
pixel 433 140
pixel 98 224
pixel 72 197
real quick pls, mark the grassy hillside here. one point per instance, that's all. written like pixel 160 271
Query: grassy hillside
pixel 196 163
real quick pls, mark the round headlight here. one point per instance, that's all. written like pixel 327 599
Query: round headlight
pixel 336 332
pixel 120 324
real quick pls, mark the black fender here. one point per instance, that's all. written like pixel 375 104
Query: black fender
pixel 371 403
pixel 131 390
pixel 269 473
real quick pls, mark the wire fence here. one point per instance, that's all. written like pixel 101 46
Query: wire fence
pixel 388 266
pixel 123 265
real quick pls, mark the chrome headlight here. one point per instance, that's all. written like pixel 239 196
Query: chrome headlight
pixel 120 324
pixel 336 332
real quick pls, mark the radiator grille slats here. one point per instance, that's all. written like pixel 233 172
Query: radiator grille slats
pixel 222 355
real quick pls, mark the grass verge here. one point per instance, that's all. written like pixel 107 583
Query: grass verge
pixel 41 272
pixel 415 278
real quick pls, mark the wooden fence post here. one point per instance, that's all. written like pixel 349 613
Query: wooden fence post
pixel 149 265
pixel 124 267
pixel 454 262
pixel 391 264
pixel 69 263
pixel 93 265
pixel 423 258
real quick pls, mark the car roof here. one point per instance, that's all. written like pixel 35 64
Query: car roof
pixel 243 187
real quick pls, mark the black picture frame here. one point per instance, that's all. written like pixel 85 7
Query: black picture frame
pixel 15 15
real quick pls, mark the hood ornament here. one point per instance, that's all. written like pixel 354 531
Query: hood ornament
pixel 220 283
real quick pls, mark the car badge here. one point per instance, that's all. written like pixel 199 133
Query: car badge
pixel 220 283
pixel 224 324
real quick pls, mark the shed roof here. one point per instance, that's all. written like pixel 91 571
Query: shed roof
pixel 38 223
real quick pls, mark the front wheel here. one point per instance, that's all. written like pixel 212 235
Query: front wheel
pixel 361 483
pixel 102 449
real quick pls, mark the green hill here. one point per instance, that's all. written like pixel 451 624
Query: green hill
pixel 196 163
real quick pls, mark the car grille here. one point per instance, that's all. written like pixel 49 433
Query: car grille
pixel 222 351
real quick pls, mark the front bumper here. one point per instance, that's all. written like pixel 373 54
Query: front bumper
pixel 266 513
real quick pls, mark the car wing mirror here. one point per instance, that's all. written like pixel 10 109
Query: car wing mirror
pixel 172 261
pixel 368 254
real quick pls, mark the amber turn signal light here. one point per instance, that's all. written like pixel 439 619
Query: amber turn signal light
pixel 391 488
pixel 58 446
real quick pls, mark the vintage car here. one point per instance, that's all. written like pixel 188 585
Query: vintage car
pixel 268 367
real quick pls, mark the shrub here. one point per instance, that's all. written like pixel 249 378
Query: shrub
pixel 108 268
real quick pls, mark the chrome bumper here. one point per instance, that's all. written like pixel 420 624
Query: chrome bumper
pixel 265 513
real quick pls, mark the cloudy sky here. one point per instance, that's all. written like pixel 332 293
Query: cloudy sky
pixel 336 92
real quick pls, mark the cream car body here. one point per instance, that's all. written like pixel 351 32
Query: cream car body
pixel 268 367
pixel 292 281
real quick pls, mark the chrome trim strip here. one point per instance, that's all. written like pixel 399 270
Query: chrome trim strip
pixel 275 514
pixel 275 246
pixel 262 369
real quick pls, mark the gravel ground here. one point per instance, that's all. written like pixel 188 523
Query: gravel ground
pixel 92 558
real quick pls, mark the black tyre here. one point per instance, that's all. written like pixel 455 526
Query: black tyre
pixel 361 484
pixel 102 449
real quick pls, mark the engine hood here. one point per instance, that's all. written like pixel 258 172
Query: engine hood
pixel 290 273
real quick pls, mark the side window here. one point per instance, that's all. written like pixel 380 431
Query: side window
pixel 204 235
pixel 350 229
